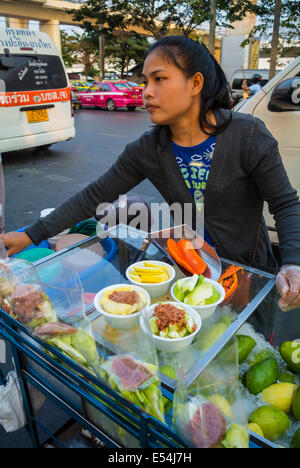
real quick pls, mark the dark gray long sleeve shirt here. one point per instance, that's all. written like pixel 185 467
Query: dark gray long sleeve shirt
pixel 246 170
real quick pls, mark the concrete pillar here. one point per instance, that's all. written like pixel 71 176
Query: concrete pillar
pixel 52 29
pixel 17 23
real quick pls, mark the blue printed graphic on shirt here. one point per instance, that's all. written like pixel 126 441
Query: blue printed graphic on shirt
pixel 195 163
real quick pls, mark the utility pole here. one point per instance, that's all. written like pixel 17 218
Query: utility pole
pixel 212 26
pixel 101 57
pixel 275 38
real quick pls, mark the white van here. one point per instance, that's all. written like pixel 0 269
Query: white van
pixel 277 104
pixel 35 96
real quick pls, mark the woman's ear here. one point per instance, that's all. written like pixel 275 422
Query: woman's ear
pixel 197 83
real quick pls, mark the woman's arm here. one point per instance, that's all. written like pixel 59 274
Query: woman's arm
pixel 123 175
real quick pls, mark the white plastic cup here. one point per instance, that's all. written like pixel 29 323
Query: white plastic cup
pixel 155 290
pixel 205 311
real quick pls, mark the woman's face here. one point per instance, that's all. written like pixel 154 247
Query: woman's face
pixel 169 96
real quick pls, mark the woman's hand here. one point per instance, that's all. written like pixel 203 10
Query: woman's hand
pixel 288 284
pixel 15 242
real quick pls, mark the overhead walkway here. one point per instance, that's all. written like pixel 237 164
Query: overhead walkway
pixel 52 13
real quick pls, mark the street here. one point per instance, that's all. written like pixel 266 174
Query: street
pixel 36 180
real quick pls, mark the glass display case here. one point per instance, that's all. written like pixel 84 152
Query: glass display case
pixel 254 305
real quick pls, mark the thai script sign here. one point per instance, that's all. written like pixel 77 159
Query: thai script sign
pixel 34 97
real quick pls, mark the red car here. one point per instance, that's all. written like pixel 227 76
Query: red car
pixel 133 85
pixel 111 95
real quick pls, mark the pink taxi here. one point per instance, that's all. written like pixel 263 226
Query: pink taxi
pixel 111 96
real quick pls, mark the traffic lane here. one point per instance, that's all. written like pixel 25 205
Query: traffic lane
pixel 37 180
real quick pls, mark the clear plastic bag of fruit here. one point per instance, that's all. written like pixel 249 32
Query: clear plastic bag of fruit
pixel 70 331
pixel 129 359
pixel 22 294
pixel 210 412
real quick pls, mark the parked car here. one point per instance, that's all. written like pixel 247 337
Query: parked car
pixel 80 85
pixel 133 85
pixel 277 104
pixel 111 96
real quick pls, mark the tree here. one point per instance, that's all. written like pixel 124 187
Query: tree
pixel 278 21
pixel 212 27
pixel 125 48
pixel 68 47
pixel 102 17
pixel 79 49
pixel 275 38
pixel 87 53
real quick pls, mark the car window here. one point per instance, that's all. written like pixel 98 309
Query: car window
pixel 32 73
pixel 237 82
pixel 93 88
pixel 131 83
pixel 105 88
pixel 121 86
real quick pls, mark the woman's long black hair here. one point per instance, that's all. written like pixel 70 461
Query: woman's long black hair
pixel 192 57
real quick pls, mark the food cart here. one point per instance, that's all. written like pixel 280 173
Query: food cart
pixel 82 396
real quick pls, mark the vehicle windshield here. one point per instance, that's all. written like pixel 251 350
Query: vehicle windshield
pixel 32 73
pixel 93 88
pixel 131 83
pixel 121 86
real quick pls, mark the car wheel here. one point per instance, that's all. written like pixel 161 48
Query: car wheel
pixel 110 105
pixel 131 108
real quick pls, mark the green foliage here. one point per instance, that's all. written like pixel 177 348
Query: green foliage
pixel 289 23
pixel 125 23
pixel 81 49
pixel 68 46
pixel 124 49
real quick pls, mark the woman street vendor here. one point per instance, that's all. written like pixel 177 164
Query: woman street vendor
pixel 199 150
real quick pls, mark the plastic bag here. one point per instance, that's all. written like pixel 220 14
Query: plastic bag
pixel 137 381
pixel 70 332
pixel 12 414
pixel 23 295
pixel 55 315
pixel 210 412
pixel 129 359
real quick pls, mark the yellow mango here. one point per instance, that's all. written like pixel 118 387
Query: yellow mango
pixel 256 428
pixel 222 404
pixel 148 271
pixel 280 395
pixel 152 265
pixel 136 278
pixel 153 278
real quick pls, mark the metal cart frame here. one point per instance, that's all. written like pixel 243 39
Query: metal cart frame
pixel 61 381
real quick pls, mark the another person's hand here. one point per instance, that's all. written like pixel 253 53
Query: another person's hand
pixel 288 284
pixel 15 242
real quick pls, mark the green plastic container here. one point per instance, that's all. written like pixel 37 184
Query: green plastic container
pixel 46 274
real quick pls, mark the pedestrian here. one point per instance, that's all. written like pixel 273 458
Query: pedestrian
pixel 255 87
pixel 199 151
